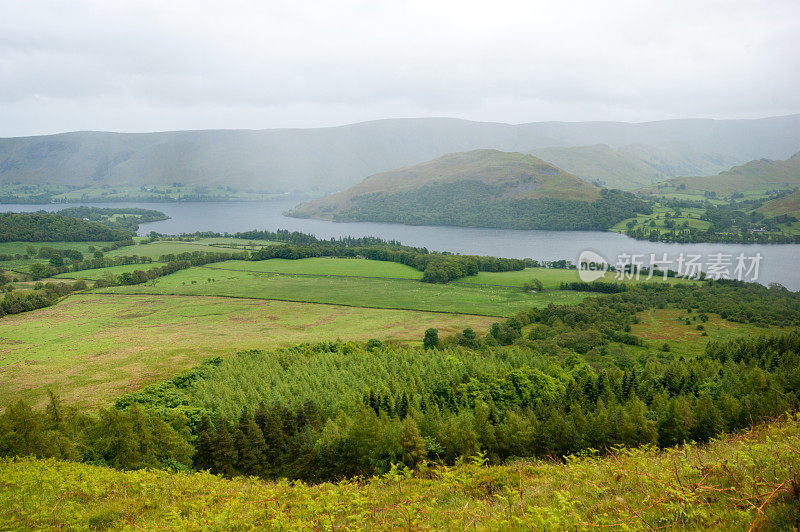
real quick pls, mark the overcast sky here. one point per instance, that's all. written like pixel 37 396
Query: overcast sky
pixel 169 64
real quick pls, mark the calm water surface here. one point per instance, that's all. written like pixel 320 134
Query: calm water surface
pixel 779 264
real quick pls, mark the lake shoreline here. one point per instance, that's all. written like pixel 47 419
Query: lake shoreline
pixel 779 260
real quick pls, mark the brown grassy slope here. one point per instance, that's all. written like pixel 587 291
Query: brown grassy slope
pixel 521 176
pixel 786 205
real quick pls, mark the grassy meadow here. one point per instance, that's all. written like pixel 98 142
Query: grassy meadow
pixel 355 291
pixel 21 248
pixel 93 347
pixel 690 216
pixel 165 247
pixel 323 266
pixel 97 273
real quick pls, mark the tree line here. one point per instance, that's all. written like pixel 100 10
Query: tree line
pixel 42 296
pixel 124 219
pixel 604 287
pixel 47 227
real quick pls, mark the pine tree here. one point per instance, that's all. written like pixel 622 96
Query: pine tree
pixel 250 446
pixel 374 403
pixel 387 405
pixel 204 446
pixel 402 406
pixel 53 411
pixel 224 451
pixel 411 442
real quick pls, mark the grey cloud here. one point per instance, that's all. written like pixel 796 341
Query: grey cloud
pixel 138 66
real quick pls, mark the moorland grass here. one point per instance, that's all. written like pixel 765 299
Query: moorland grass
pixel 658 327
pixel 91 348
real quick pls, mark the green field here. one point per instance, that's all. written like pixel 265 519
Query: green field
pixel 20 265
pixel 689 216
pixel 324 266
pixel 551 278
pixel 165 247
pixel 93 347
pixel 156 249
pixel 356 291
pixel 160 193
pixel 21 248
pixel 792 228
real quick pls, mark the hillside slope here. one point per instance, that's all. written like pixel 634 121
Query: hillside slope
pixel 634 165
pixel 331 159
pixel 519 175
pixel 480 188
pixel 742 482
pixel 788 205
pixel 760 175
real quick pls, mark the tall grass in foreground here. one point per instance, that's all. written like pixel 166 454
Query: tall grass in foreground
pixel 743 482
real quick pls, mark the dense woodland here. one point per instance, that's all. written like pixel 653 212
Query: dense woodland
pixel 548 382
pixel 46 227
pixel 127 219
pixel 476 204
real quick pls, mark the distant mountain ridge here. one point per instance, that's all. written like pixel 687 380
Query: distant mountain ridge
pixel 760 174
pixel 634 165
pixel 331 159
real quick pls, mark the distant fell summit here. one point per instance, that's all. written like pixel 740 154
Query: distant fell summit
pixel 335 158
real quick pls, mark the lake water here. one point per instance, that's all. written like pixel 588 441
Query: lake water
pixel 779 263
